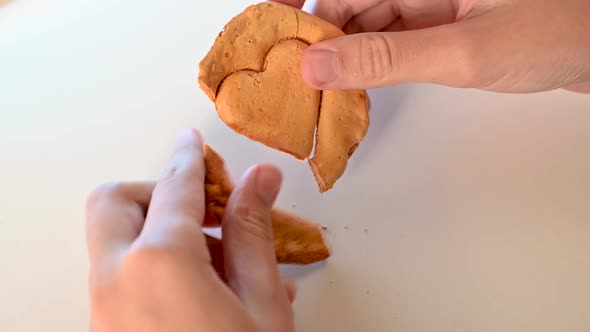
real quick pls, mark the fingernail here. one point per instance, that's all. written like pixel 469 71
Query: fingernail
pixel 188 136
pixel 268 183
pixel 323 66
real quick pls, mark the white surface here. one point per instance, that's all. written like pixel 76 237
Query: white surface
pixel 476 205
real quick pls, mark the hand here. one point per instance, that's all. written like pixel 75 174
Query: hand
pixel 496 45
pixel 150 267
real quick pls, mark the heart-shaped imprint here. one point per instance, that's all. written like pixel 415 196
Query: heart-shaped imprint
pixel 252 74
pixel 273 102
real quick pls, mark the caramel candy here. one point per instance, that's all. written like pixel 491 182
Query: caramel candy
pixel 296 240
pixel 252 74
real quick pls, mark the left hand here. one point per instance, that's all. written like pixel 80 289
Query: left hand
pixel 150 266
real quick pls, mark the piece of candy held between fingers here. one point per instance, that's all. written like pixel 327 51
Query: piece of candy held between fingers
pixel 297 241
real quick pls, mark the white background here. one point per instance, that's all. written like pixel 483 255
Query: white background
pixel 476 205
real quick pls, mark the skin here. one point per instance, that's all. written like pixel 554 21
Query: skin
pixel 513 46
pixel 150 265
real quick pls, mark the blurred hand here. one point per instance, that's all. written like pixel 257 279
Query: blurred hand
pixel 150 266
pixel 497 45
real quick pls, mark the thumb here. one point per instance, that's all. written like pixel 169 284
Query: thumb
pixel 438 55
pixel 249 253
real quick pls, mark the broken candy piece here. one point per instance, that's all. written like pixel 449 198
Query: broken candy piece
pixel 252 74
pixel 296 240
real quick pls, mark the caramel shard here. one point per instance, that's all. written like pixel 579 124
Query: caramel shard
pixel 252 75
pixel 297 241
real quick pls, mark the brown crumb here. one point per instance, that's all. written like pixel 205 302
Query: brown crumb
pixel 368 292
pixel 346 227
pixel 366 231
pixel 293 205
pixel 324 228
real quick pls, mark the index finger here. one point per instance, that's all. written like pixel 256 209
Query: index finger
pixel 177 209
pixel 293 3
pixel 339 12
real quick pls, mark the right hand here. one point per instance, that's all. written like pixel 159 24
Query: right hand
pixel 515 46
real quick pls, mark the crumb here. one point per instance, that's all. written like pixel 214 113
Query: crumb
pixel 346 227
pixel 293 205
pixel 324 228
pixel 368 292
pixel 366 231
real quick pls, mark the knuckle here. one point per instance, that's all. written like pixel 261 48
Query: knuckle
pixel 189 168
pixel 378 58
pixel 471 65
pixel 253 222
pixel 140 260
pixel 102 193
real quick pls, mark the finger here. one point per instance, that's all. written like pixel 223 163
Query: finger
pixel 441 55
pixel 115 214
pixel 402 15
pixel 177 209
pixel 414 15
pixel 396 26
pixel 583 87
pixel 374 19
pixel 293 3
pixel 249 253
pixel 216 250
pixel 338 12
pixel 291 290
